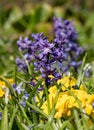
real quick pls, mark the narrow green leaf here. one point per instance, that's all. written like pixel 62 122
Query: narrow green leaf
pixel 77 120
pixel 48 126
pixel 64 125
pixel 47 97
pixel 4 121
pixel 24 126
pixel 12 118
pixel 19 124
pixel 81 74
pixel 34 90
pixel 23 113
pixel 37 109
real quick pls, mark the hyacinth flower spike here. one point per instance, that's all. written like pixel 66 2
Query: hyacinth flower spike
pixel 51 58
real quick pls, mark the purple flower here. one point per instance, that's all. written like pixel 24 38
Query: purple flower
pixel 65 38
pixel 28 57
pixel 23 103
pixel 23 43
pixel 24 98
pixel 21 63
pixel 18 88
pixel 51 58
pixel 21 91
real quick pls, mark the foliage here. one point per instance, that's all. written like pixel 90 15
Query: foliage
pixel 29 100
pixel 38 19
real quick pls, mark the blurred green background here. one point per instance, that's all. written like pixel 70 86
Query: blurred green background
pixel 23 17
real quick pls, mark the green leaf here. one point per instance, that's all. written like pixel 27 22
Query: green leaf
pixel 12 118
pixel 42 13
pixel 34 90
pixel 37 109
pixel 19 125
pixel 66 124
pixel 23 113
pixel 77 120
pixel 4 121
pixel 48 126
pixel 81 74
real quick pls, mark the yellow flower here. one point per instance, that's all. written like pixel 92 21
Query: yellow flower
pixel 67 100
pixel 53 90
pixel 63 113
pixel 44 107
pixel 89 108
pixel 81 96
pixel 1 93
pixel 90 99
pixel 3 87
pixel 71 102
pixel 62 106
pixel 67 82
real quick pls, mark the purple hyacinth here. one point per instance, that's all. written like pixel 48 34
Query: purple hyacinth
pixel 51 58
pixel 23 43
pixel 64 30
pixel 65 38
pixel 21 63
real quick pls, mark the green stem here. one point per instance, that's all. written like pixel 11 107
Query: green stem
pixel 47 97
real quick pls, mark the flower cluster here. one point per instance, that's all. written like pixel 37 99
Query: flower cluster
pixel 51 58
pixel 69 99
pixel 65 40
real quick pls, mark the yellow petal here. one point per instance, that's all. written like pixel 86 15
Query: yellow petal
pixel 67 82
pixel 88 109
pixel 1 93
pixel 90 99
pixel 58 115
pixel 53 89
